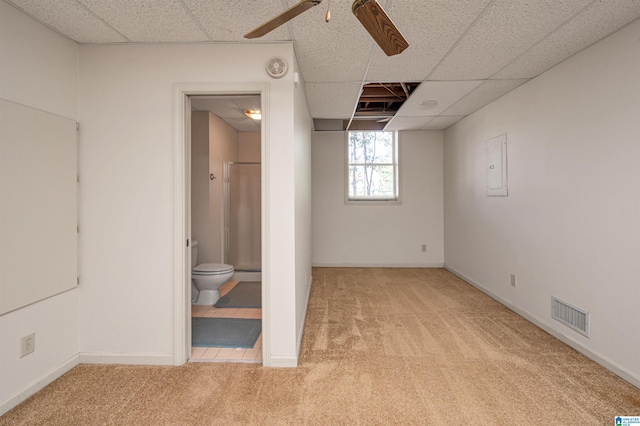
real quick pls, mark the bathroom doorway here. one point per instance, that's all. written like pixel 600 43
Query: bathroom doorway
pixel 225 217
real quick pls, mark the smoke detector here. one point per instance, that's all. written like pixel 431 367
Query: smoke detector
pixel 277 67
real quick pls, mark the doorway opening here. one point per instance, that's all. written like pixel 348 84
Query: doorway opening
pixel 216 202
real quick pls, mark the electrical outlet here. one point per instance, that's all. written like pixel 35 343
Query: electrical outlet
pixel 514 280
pixel 424 248
pixel 28 344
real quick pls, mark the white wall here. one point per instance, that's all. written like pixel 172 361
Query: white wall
pixel 303 242
pixel 570 226
pixel 39 69
pixel 343 234
pixel 127 160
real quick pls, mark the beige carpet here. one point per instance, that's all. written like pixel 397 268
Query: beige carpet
pixel 381 346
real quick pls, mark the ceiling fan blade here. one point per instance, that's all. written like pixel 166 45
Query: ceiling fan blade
pixel 374 19
pixel 283 18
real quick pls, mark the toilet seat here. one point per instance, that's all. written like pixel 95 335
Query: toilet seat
pixel 212 269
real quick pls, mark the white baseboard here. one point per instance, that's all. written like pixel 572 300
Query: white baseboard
pixel 123 358
pixel 385 265
pixel 595 357
pixel 283 361
pixel 37 385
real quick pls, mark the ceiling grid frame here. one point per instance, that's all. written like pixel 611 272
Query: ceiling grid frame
pixel 337 59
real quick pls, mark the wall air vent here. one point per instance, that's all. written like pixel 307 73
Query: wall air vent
pixel 570 316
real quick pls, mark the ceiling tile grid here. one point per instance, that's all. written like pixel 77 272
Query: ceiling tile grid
pixel 407 123
pixel 225 20
pixel 466 53
pixel 482 95
pixel 442 122
pixel 72 19
pixel 445 93
pixel 148 21
pixel 431 28
pixel 230 109
pixel 501 34
pixel 332 100
pixel 336 51
pixel 600 19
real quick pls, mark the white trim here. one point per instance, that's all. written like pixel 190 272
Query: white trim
pixel 265 224
pixel 619 371
pixel 382 265
pixel 182 230
pixel 180 234
pixel 38 384
pixel 126 358
pixel 283 361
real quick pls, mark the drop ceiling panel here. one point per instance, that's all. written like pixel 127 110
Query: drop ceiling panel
pixel 332 100
pixel 223 108
pixel 244 124
pixel 225 20
pixel 247 102
pixel 482 95
pixel 597 21
pixel 445 92
pixel 149 20
pixel 442 122
pixel 467 41
pixel 506 30
pixel 226 106
pixel 72 19
pixel 337 51
pixel 230 109
pixel 430 37
pixel 407 123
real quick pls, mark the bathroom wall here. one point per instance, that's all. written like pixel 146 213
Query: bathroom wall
pixel 379 235
pixel 213 142
pixel 39 69
pixel 223 146
pixel 201 226
pixel 249 147
pixel 127 157
pixel 569 227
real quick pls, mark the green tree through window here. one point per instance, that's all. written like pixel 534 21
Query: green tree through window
pixel 372 166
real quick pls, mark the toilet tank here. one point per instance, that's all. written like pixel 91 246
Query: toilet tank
pixel 194 253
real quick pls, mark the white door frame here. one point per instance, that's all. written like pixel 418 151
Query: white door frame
pixel 182 209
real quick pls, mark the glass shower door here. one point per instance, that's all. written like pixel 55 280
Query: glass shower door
pixel 243 244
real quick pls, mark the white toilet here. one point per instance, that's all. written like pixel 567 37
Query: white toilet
pixel 207 278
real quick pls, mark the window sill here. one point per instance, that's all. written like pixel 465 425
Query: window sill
pixel 372 202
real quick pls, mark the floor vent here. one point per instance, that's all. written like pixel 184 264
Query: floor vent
pixel 570 316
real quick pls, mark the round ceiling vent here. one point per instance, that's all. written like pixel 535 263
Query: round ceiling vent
pixel 277 67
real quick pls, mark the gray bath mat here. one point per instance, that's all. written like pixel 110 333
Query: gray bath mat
pixel 225 332
pixel 246 294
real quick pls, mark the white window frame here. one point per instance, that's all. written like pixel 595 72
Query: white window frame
pixel 362 201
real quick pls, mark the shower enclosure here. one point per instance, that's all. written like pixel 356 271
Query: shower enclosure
pixel 242 216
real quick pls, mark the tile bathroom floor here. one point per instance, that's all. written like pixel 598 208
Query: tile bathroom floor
pixel 200 354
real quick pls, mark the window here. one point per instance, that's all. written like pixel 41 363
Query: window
pixel 372 166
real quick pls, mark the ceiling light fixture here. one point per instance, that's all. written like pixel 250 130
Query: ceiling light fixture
pixel 253 113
